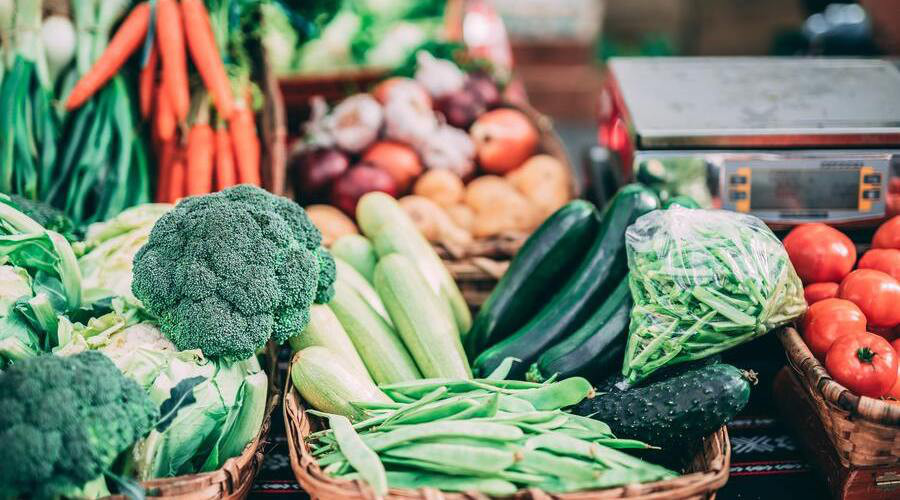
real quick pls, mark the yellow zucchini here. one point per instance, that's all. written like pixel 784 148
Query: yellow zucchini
pixel 392 231
pixel 375 340
pixel 423 323
pixel 323 380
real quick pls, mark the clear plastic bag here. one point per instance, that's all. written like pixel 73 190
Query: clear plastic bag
pixel 703 281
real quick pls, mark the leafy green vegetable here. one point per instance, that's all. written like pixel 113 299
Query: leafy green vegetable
pixel 703 281
pixel 64 422
pixel 226 272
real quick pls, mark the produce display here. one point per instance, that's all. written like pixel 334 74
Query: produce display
pixel 162 311
pixel 853 315
pixel 463 165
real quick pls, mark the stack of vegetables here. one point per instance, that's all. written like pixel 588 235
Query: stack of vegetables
pixel 426 138
pixel 853 323
pixel 383 361
pixel 203 129
pixel 164 314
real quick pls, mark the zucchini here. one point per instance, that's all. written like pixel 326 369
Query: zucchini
pixel 324 381
pixel 356 250
pixel 596 348
pixel 540 267
pixel 682 200
pixel 674 411
pixel 600 271
pixel 392 231
pixel 362 286
pixel 377 343
pixel 427 330
pixel 325 330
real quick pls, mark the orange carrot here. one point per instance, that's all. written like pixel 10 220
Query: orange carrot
pixel 225 174
pixel 202 44
pixel 130 36
pixel 170 34
pixel 165 116
pixel 166 153
pixel 177 175
pixel 200 151
pixel 148 82
pixel 246 144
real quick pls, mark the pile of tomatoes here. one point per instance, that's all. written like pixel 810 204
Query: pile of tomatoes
pixel 853 322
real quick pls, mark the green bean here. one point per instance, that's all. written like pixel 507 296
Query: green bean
pixel 502 370
pixel 513 404
pixel 360 456
pixel 376 405
pixel 411 407
pixel 481 458
pixel 560 394
pixel 481 409
pixel 480 430
pixel 416 480
pixel 562 467
pixel 590 424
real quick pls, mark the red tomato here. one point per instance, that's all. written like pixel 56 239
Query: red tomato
pixel 820 253
pixel 828 320
pixel 895 391
pixel 876 293
pixel 888 234
pixel 820 291
pixel 864 363
pixel 886 260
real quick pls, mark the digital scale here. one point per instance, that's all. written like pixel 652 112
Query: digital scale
pixel 790 140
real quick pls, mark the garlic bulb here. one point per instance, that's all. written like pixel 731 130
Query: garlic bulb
pixel 409 118
pixel 449 148
pixel 440 77
pixel 355 122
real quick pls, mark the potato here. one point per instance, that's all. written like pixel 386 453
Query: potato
pixel 462 215
pixel 440 186
pixel 433 222
pixel 331 222
pixel 486 192
pixel 499 207
pixel 545 181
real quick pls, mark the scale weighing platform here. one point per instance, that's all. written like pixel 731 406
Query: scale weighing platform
pixel 790 140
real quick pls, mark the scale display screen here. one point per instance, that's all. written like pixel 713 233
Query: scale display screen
pixel 804 189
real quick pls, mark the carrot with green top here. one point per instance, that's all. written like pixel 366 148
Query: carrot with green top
pixel 177 175
pixel 200 151
pixel 170 36
pixel 166 155
pixel 147 82
pixel 165 115
pixel 246 144
pixel 201 43
pixel 130 36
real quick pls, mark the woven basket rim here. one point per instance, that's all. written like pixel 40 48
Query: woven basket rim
pixel 838 397
pixel 235 482
pixel 700 484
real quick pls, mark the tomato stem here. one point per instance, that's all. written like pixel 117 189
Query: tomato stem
pixel 865 354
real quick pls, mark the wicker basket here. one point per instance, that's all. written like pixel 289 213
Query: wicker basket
pixel 234 479
pixel 707 472
pixel 864 431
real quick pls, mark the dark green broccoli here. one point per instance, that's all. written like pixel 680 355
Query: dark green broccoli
pixel 63 423
pixel 226 272
pixel 46 215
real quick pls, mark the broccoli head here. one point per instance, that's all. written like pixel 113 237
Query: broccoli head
pixel 46 215
pixel 64 422
pixel 226 272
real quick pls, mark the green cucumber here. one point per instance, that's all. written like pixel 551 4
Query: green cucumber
pixel 596 348
pixel 356 250
pixel 674 411
pixel 427 329
pixel 601 270
pixel 540 267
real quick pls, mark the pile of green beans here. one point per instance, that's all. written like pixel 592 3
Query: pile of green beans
pixel 489 435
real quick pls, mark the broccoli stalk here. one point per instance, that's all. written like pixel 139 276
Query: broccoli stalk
pixel 228 271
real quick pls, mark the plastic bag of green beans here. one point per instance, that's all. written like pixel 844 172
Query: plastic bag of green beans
pixel 703 281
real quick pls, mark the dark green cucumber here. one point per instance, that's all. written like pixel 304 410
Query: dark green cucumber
pixel 596 348
pixel 539 268
pixel 675 411
pixel 602 268
pixel 682 200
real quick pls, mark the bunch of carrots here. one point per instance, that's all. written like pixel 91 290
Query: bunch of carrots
pixel 200 147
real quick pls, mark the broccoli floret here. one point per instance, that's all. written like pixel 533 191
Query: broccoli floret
pixel 327 274
pixel 226 272
pixel 64 422
pixel 46 215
